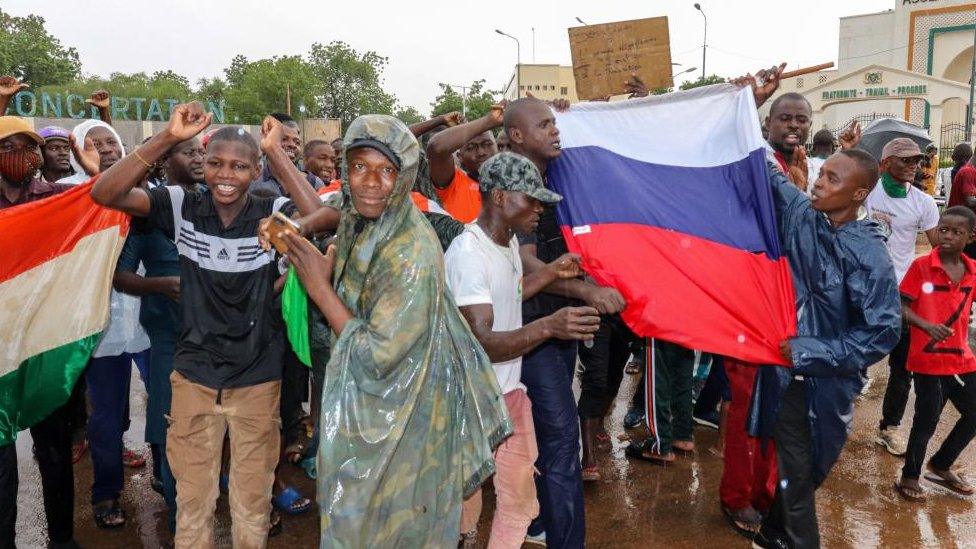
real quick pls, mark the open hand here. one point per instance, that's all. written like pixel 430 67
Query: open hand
pixel 764 84
pixel 559 105
pixel 188 120
pixel 99 98
pixel 10 86
pixel 86 156
pixel 850 137
pixel 567 265
pixel 797 170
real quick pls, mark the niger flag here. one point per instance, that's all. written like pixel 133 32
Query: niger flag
pixel 56 272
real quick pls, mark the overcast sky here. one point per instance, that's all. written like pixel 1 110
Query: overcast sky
pixel 430 41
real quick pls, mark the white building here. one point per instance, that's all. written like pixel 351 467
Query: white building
pixel 912 62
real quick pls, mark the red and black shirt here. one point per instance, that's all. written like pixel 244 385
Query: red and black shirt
pixel 936 298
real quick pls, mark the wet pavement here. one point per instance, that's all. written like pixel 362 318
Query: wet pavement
pixel 637 504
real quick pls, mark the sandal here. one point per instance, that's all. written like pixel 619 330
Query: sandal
pixel 910 493
pixel 745 521
pixel 591 474
pixel 295 452
pixel 108 515
pixel 684 447
pixel 132 459
pixel 78 449
pixel 950 480
pixel 636 450
pixel 291 501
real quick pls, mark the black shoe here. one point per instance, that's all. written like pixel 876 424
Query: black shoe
pixel 760 541
pixel 156 485
pixel 633 418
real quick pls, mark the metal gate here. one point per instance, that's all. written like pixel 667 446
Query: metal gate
pixel 952 134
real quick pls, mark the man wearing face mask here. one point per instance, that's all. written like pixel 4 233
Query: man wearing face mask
pixel 20 160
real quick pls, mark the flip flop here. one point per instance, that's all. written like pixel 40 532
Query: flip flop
pixel 288 498
pixel 276 526
pixel 745 525
pixel 910 494
pixel 133 460
pixel 953 483
pixel 108 517
pixel 591 474
pixel 78 449
pixel 636 451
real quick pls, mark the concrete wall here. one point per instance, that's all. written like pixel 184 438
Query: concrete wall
pixel 549 79
pixel 863 34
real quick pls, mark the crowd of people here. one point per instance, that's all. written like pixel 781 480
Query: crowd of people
pixel 448 320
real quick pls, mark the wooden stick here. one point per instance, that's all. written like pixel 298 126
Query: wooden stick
pixel 806 70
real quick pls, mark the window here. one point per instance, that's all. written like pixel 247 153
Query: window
pixel 536 87
pixel 563 90
pixel 799 83
pixel 522 88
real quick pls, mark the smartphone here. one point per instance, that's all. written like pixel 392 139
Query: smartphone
pixel 281 223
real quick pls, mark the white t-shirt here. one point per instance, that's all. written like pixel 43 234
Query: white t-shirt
pixel 479 271
pixel 813 171
pixel 901 220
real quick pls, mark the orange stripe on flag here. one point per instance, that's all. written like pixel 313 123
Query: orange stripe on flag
pixel 40 231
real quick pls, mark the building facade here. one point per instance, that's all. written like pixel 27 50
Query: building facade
pixel 913 62
pixel 547 82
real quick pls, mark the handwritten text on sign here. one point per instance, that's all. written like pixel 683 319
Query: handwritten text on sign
pixel 605 55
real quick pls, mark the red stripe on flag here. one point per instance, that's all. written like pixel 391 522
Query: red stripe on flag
pixel 40 231
pixel 691 291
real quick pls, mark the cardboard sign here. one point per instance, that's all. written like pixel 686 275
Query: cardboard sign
pixel 605 55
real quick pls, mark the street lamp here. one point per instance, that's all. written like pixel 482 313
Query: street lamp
pixel 704 37
pixel 683 72
pixel 518 63
pixel 581 22
pixel 464 96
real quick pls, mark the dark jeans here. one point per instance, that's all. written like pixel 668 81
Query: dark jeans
pixel 603 367
pixel 108 391
pixel 899 383
pixel 77 410
pixel 547 372
pixel 294 391
pixel 794 511
pixel 673 370
pixel 52 448
pixel 931 394
pixel 716 389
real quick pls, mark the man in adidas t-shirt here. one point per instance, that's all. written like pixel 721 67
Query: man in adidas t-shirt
pixel 902 211
pixel 484 273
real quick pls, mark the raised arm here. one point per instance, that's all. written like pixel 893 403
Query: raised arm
pixel 441 149
pixel 101 100
pixel 449 119
pixel 294 181
pixel 9 87
pixel 117 187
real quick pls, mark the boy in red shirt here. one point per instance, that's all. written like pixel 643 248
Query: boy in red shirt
pixel 937 295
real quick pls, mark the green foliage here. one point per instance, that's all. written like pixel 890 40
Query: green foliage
pixel 255 89
pixel 350 82
pixel 409 115
pixel 28 52
pixel 704 81
pixel 478 101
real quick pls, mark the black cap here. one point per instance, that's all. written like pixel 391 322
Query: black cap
pixel 377 145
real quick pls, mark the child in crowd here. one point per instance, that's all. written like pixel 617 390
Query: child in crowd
pixel 937 295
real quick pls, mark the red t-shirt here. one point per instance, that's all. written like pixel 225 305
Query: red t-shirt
pixel 461 198
pixel 936 298
pixel 963 185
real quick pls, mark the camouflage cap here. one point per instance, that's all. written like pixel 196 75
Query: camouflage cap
pixel 509 171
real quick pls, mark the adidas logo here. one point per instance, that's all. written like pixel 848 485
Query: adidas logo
pixel 223 255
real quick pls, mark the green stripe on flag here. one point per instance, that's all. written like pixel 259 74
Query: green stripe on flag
pixel 294 309
pixel 40 385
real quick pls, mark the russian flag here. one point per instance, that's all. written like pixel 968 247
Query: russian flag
pixel 667 200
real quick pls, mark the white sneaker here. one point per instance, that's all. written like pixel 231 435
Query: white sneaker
pixel 539 540
pixel 892 441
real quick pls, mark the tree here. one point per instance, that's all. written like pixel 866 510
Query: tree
pixel 409 115
pixel 478 101
pixel 703 81
pixel 349 82
pixel 257 88
pixel 28 52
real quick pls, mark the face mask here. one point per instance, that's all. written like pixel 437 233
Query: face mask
pixel 17 167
